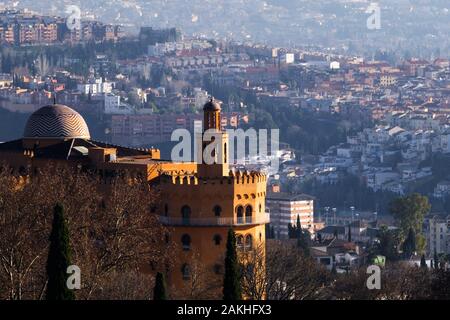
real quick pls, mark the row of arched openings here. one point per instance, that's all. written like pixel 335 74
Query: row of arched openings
pixel 186 241
pixel 186 270
pixel 243 214
pixel 242 242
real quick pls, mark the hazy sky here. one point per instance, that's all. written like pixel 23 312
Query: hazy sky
pixel 419 26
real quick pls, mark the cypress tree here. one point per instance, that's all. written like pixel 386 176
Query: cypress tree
pixel 58 258
pixel 290 231
pixel 409 246
pixel 231 281
pixel 423 262
pixel 159 292
pixel 436 260
pixel 303 241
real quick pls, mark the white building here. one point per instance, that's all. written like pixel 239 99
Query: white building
pixel 335 65
pixel 284 208
pixel 437 234
pixel 201 97
pixel 95 86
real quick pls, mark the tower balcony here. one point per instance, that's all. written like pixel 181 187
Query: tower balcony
pixel 215 222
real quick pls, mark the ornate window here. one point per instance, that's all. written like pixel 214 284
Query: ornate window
pixel 240 242
pixel 186 242
pixel 248 242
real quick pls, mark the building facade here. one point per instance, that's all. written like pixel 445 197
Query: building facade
pixel 284 208
pixel 198 202
pixel 437 234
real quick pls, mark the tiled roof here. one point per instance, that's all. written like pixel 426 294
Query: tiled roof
pixel 56 121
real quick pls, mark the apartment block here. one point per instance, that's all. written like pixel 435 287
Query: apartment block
pixel 284 208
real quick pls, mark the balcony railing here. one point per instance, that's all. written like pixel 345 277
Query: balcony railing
pixel 205 222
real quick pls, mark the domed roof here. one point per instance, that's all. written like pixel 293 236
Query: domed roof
pixel 211 105
pixel 56 121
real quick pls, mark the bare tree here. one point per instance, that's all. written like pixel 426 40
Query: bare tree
pixel 398 282
pixel 203 283
pixel 112 229
pixel 23 241
pixel 254 277
pixel 282 272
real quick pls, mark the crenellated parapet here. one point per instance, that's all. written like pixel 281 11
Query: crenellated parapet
pixel 28 153
pixel 238 177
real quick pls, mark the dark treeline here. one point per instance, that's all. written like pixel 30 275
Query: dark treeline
pixel 80 56
pixel 349 191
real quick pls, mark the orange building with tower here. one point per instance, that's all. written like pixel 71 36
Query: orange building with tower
pixel 199 202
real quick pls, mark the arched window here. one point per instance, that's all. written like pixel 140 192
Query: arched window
pixel 217 239
pixel 186 214
pixel 240 242
pixel 248 242
pixel 250 269
pixel 240 214
pixel 186 242
pixel 248 214
pixel 186 271
pixel 260 207
pixel 225 152
pixel 217 268
pixel 217 211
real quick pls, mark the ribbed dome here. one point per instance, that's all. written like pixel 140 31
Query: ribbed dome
pixel 56 121
pixel 211 105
